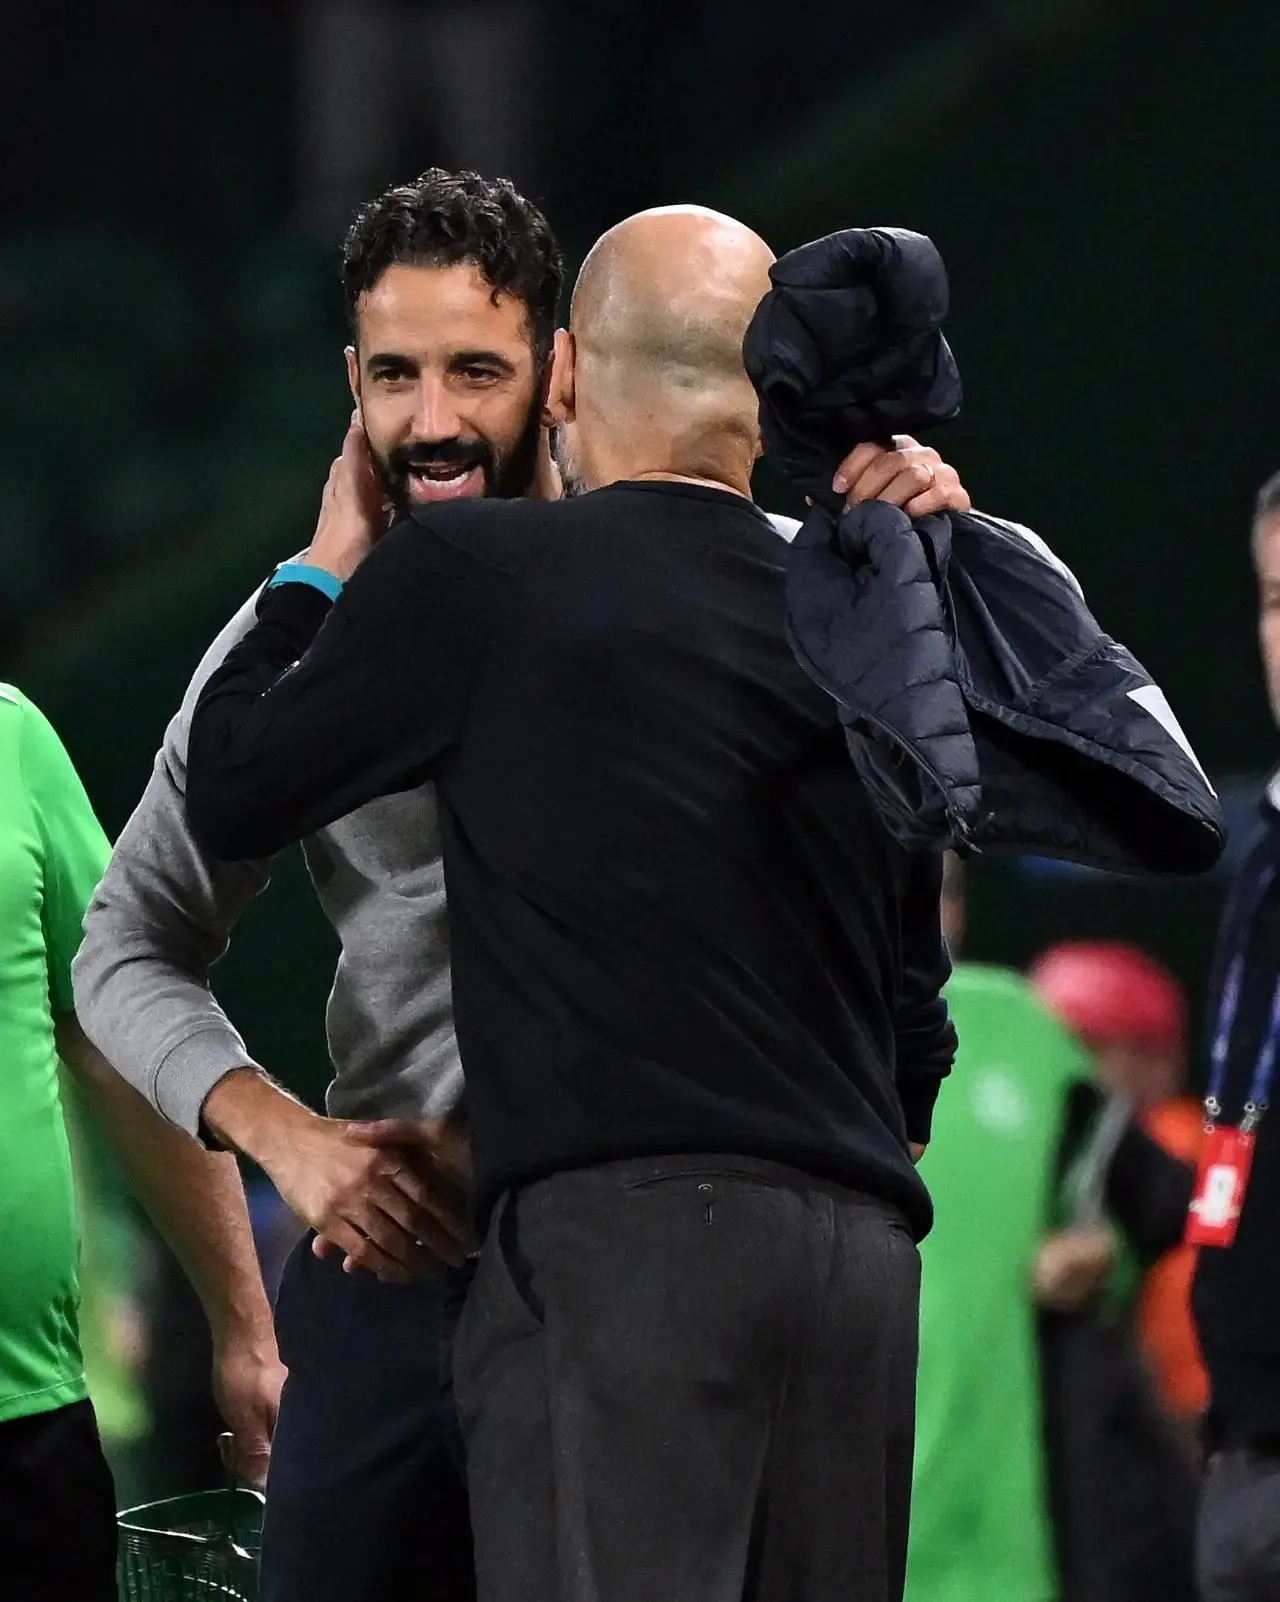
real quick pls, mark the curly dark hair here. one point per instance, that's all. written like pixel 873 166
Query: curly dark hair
pixel 443 218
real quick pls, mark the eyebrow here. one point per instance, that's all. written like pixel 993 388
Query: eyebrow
pixel 386 358
pixel 481 358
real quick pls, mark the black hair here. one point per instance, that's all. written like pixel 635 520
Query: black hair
pixel 443 218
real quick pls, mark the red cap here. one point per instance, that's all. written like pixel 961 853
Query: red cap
pixel 1112 994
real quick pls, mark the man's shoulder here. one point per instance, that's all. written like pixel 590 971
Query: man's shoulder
pixel 19 712
pixel 502 534
pixel 13 704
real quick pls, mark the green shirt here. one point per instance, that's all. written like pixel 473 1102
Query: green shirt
pixel 52 854
pixel 979 1523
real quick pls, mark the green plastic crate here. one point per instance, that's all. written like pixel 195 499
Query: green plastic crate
pixel 192 1548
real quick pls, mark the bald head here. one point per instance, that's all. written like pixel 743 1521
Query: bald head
pixel 652 381
pixel 665 298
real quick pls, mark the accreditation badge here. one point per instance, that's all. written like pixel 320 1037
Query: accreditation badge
pixel 1221 1180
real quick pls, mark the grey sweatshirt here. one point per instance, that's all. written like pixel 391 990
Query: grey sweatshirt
pixel 164 913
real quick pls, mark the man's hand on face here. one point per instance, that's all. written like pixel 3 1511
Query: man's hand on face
pixel 352 513
pixel 437 1151
pixel 911 475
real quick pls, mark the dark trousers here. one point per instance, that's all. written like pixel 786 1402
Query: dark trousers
pixel 1121 1491
pixel 1239 1556
pixel 366 1498
pixel 57 1508
pixel 690 1379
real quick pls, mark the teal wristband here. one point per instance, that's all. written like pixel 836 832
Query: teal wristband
pixel 301 573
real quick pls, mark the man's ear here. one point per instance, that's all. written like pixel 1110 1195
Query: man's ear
pixel 353 374
pixel 560 380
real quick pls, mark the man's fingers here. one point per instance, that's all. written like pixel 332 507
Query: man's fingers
pixel 388 1234
pixel 912 476
pixel 910 470
pixel 384 1132
pixel 360 1251
pixel 438 1226
pixel 426 1201
pixel 945 494
pixel 359 460
pixel 434 1185
pixel 437 1213
pixel 410 1236
pixel 247 1463
pixel 910 481
pixel 432 1243
pixel 880 471
pixel 855 465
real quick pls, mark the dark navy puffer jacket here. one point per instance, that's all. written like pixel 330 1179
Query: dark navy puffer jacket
pixel 982 702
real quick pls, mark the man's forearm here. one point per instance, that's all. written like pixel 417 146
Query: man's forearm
pixel 194 1197
pixel 249 1113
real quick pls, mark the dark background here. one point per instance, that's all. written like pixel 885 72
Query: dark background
pixel 1100 177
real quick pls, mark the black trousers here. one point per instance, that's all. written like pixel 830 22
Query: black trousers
pixel 690 1379
pixel 1122 1494
pixel 366 1498
pixel 57 1508
pixel 1239 1556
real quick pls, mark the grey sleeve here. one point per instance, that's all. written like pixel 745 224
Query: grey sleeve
pixel 157 923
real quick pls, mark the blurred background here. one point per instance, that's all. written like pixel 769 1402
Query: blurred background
pixel 1100 176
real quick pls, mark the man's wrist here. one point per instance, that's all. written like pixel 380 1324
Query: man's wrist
pixel 248 1113
pixel 245 1322
pixel 241 1314
pixel 313 570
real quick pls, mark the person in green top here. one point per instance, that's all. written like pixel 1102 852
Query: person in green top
pixel 981 1529
pixel 57 1504
pixel 1038 1473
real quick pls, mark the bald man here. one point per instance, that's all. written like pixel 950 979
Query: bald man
pixel 696 984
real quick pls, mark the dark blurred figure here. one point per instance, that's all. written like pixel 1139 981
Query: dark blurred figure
pixel 1237 1209
pixel 1130 1013
pixel 1123 1483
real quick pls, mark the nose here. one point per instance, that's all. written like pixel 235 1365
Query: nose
pixel 434 414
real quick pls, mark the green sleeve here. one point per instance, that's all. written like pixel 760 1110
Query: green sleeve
pixel 75 848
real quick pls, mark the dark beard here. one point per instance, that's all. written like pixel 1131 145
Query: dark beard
pixel 508 476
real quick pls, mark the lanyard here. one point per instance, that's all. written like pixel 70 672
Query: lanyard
pixel 1264 1067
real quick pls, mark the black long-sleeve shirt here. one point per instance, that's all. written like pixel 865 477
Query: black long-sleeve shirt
pixel 677 922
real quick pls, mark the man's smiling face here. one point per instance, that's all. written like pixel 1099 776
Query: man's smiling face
pixel 448 387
